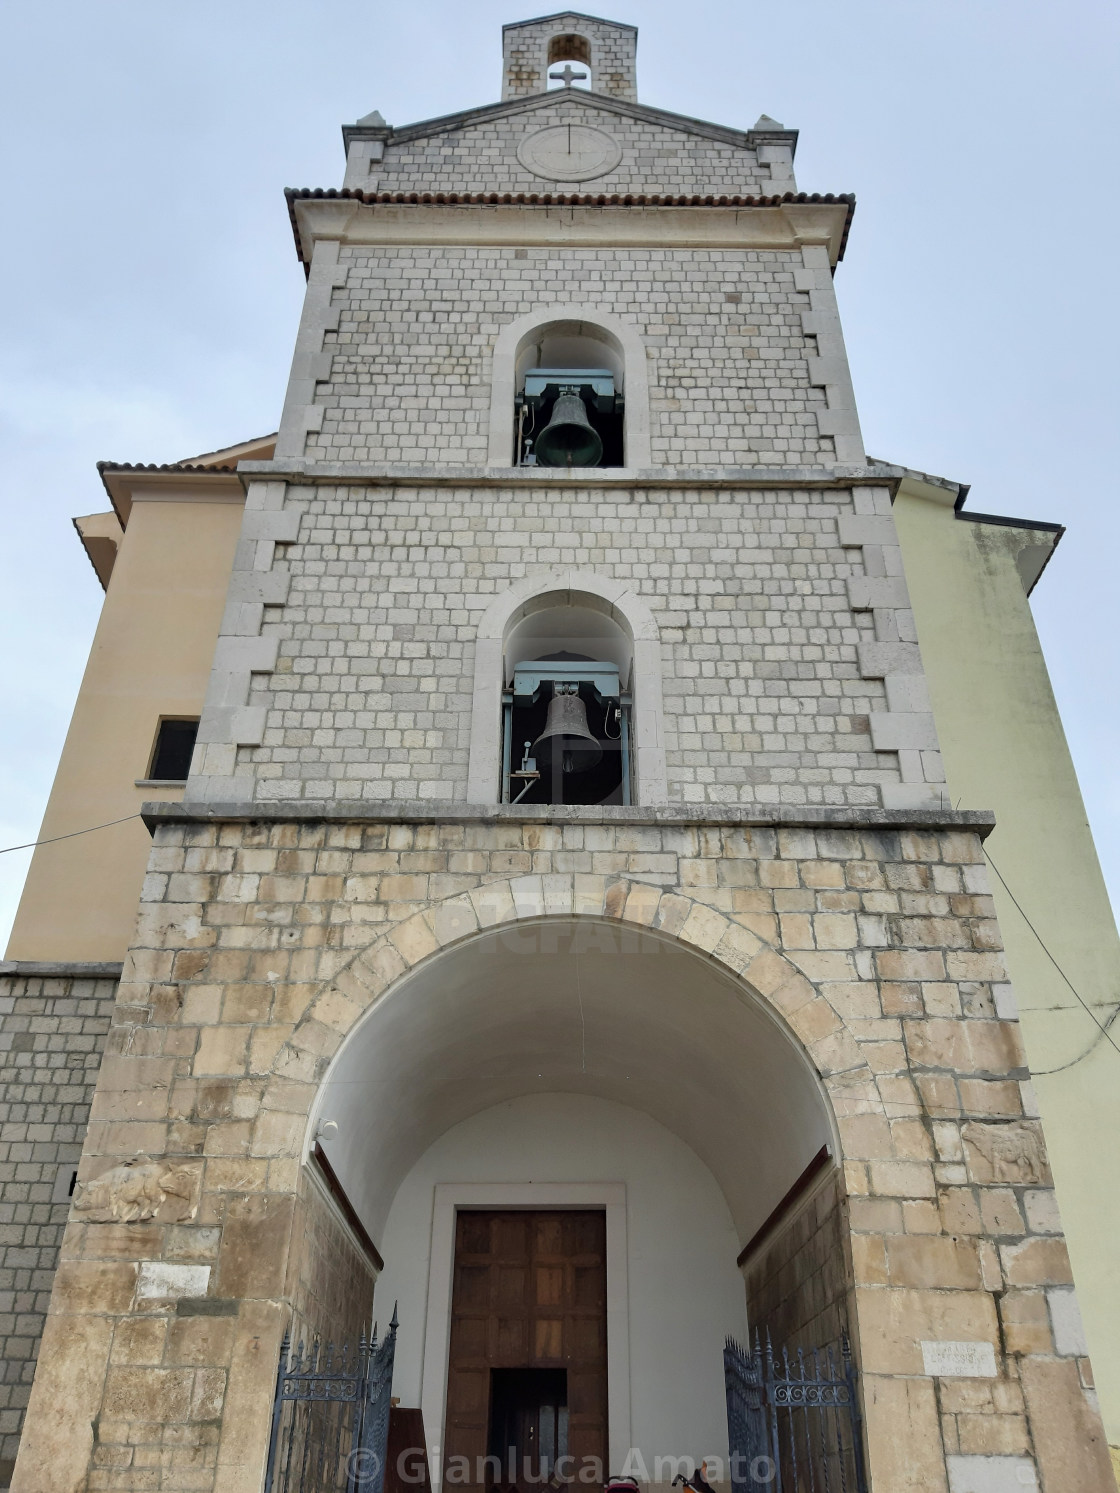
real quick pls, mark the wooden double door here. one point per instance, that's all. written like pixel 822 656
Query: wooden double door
pixel 527 1370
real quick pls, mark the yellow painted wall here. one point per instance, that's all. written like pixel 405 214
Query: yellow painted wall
pixel 1005 750
pixel 151 657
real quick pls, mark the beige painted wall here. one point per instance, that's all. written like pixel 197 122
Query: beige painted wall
pixel 1005 749
pixel 151 657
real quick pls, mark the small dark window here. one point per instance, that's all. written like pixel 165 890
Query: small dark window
pixel 171 759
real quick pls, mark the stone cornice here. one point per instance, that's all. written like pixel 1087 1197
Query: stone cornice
pixel 584 100
pixel 350 811
pixel 61 969
pixel 364 474
pixel 618 221
pixel 565 15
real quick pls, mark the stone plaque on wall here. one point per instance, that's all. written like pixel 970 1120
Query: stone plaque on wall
pixel 955 1360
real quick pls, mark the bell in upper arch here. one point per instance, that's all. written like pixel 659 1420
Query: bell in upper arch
pixel 566 737
pixel 569 439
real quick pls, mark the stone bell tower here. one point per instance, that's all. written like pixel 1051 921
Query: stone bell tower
pixel 567 831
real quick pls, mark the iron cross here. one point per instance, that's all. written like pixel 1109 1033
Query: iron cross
pixel 567 76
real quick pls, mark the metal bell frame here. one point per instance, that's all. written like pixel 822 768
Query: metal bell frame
pixel 528 680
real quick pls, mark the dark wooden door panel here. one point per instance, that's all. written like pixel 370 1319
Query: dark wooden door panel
pixel 529 1294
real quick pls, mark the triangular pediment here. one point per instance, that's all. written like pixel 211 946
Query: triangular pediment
pixel 645 150
pixel 584 103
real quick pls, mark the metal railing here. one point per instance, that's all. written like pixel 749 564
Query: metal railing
pixel 793 1422
pixel 330 1416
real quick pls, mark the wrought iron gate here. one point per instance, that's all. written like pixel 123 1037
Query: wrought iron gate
pixel 330 1416
pixel 793 1424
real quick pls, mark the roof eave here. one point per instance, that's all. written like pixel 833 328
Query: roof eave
pixel 455 200
pixel 576 15
pixel 944 491
pixel 101 549
pixel 120 479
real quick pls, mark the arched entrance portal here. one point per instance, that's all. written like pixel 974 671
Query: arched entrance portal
pixel 557 1082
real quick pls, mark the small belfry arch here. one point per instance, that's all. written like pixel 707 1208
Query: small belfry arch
pixel 623 348
pixel 584 590
pixel 569 62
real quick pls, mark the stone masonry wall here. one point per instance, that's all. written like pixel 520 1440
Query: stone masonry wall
pixel 613 54
pixel 333 1279
pixel 799 1281
pixel 261 944
pixel 481 156
pixel 373 683
pixel 52 1033
pixel 728 356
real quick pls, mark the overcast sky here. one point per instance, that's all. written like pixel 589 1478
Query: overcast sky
pixel 151 290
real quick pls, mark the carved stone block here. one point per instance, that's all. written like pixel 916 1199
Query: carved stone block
pixel 138 1190
pixel 1006 1153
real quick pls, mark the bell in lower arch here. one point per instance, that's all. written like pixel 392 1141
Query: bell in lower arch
pixel 569 439
pixel 565 735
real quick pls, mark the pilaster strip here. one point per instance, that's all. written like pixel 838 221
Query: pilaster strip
pixel 228 720
pixel 829 370
pixel 907 725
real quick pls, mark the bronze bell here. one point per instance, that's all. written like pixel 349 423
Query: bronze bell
pixel 566 735
pixel 569 439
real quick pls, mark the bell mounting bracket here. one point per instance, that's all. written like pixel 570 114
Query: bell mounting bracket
pixel 528 679
pixel 595 386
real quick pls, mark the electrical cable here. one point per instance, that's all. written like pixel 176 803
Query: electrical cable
pixel 1104 1029
pixel 1094 1043
pixel 1104 1032
pixel 54 839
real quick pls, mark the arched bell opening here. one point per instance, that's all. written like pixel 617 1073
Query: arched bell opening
pixel 569 1067
pixel 567 726
pixel 569 332
pixel 570 397
pixel 631 639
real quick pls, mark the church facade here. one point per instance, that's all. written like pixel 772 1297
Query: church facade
pixel 587 806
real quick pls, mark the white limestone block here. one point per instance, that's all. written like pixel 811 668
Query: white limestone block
pixel 990 1474
pixel 951 1359
pixel 158 1281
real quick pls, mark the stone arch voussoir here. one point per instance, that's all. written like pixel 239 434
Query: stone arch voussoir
pixel 342 1000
